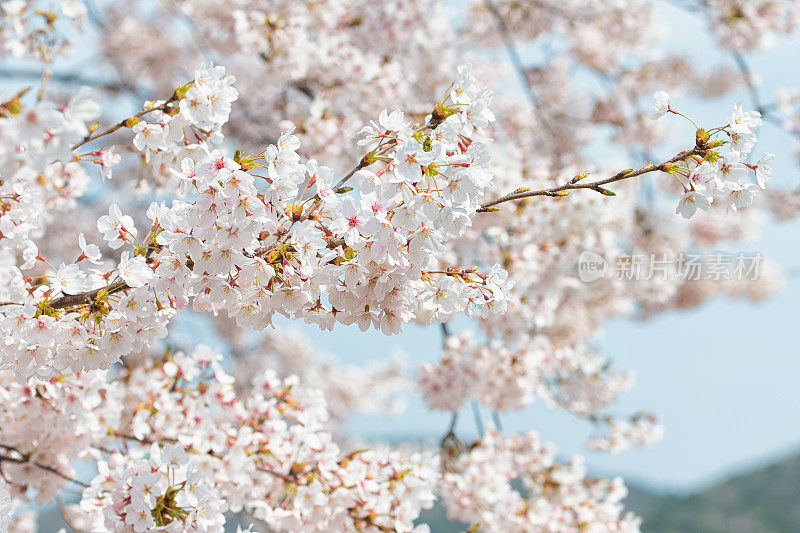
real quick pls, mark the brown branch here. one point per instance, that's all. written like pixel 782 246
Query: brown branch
pixel 361 164
pixel 287 479
pixel 575 184
pixel 66 78
pixel 87 298
pixel 143 440
pixel 124 122
pixel 25 458
pixel 370 521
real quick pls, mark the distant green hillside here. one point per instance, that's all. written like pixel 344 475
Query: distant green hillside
pixel 761 501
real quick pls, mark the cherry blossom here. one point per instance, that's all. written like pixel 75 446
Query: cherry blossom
pixel 164 491
pixel 622 434
pixel 333 172
pixel 559 496
pixel 691 202
pixel 763 170
pixel 661 106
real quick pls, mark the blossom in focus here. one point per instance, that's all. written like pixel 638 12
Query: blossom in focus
pixel 661 105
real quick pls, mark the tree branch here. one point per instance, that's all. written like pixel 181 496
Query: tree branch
pixel 123 123
pixel 66 78
pixel 516 60
pixel 755 95
pixel 25 458
pixel 741 62
pixel 361 164
pixel 87 298
pixel 575 184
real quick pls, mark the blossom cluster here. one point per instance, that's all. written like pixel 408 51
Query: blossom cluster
pixel 537 348
pixel 40 178
pixel 176 446
pixel 49 424
pixel 557 497
pixel 641 430
pixel 163 491
pixel 36 29
pixel 751 24
pixel 348 389
pixel 186 126
pixel 315 64
pixel 492 374
pixel 716 177
pixel 256 252
pixel 504 378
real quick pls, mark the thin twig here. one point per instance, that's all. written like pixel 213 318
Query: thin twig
pixel 575 183
pixel 361 164
pixel 516 60
pixel 143 440
pixel 25 458
pixel 284 477
pixel 741 62
pixel 124 122
pixel 64 77
pixel 755 95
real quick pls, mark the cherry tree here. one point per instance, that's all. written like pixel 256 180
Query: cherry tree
pixel 360 163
